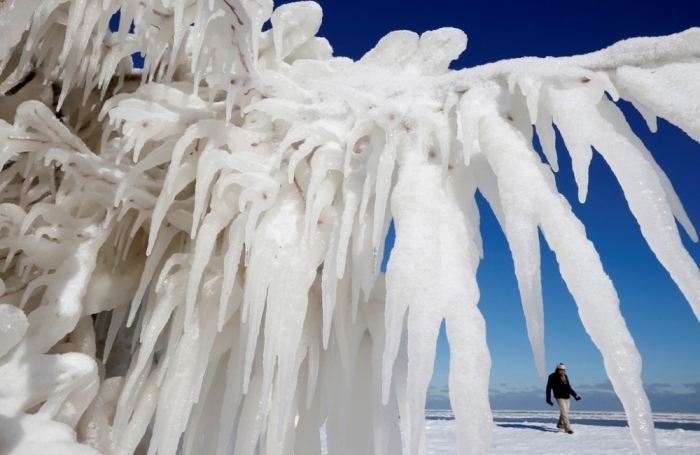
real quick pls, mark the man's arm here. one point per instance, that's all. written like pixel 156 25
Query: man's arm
pixel 571 390
pixel 549 392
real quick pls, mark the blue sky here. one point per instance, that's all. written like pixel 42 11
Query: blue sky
pixel 664 328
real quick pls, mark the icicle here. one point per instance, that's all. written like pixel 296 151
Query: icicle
pixel 546 135
pixel 615 116
pixel 143 411
pixel 231 264
pixel 531 89
pixel 214 223
pixel 139 368
pixel 201 426
pixel 351 199
pixel 649 117
pixel 325 160
pixel 387 436
pixel 389 119
pixel 250 424
pixel 310 144
pixel 307 438
pixel 287 303
pixel 376 147
pixel 572 100
pixel 647 201
pixel 233 394
pixel 445 263
pixel 362 259
pixel 513 161
pixel 668 91
pixel 149 269
pixel 329 282
pixel 186 174
pixel 468 110
pixel 357 142
pixel 523 239
pixel 519 223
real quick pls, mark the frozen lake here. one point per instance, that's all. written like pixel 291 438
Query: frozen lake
pixel 518 432
pixel 662 421
pixel 595 433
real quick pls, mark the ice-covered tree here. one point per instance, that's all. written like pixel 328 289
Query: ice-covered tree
pixel 190 251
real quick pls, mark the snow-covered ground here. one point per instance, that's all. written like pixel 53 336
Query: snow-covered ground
pixel 533 432
pixel 542 439
pixel 517 432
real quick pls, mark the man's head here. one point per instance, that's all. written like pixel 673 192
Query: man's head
pixel 561 368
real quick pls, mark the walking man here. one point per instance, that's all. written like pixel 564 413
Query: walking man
pixel 558 383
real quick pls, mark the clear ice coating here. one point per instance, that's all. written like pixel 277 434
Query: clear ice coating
pixel 190 251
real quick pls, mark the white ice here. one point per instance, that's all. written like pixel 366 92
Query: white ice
pixel 191 251
pixel 525 436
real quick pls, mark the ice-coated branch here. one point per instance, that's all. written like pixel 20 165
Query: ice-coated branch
pixel 190 251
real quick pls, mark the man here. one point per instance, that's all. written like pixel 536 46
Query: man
pixel 558 383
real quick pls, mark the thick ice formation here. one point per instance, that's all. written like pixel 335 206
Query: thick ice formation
pixel 190 252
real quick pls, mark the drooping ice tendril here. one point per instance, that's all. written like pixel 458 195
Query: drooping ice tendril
pixel 190 251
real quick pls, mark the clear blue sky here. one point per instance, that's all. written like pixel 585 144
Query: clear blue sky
pixel 660 320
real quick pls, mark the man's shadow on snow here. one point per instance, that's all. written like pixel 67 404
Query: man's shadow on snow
pixel 528 427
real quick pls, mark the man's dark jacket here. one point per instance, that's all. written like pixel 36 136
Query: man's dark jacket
pixel 560 389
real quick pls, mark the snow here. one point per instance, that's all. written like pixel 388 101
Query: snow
pixel 511 438
pixel 523 432
pixel 191 251
pixel 37 435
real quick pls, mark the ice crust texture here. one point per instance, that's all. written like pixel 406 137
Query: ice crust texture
pixel 190 251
